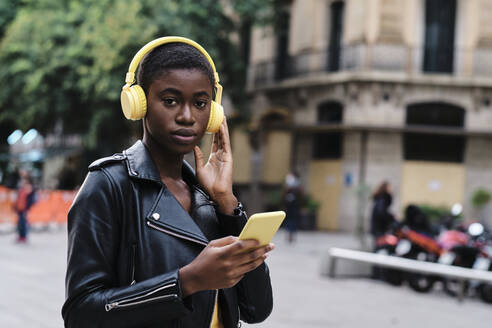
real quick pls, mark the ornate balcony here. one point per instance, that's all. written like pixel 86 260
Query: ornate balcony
pixel 387 58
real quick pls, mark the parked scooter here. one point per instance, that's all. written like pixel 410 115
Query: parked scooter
pixel 414 239
pixel 386 245
pixel 417 246
pixel 416 242
pixel 410 239
pixel 468 250
pixel 482 239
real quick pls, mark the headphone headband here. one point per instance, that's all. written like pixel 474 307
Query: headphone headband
pixel 130 76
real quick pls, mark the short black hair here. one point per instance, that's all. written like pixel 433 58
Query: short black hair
pixel 175 55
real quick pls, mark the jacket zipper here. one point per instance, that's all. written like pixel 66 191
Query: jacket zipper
pixel 133 253
pixel 239 324
pixel 150 224
pixel 136 300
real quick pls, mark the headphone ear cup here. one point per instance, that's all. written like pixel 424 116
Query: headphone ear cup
pixel 216 117
pixel 133 102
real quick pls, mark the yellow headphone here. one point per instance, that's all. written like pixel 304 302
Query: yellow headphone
pixel 133 101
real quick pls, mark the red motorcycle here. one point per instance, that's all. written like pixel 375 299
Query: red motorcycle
pixel 417 246
pixel 409 244
pixel 472 250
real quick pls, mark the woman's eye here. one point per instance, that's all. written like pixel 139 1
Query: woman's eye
pixel 200 104
pixel 169 101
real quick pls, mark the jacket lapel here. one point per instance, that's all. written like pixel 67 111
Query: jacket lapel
pixel 169 214
pixel 166 212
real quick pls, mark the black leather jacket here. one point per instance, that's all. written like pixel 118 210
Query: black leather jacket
pixel 127 238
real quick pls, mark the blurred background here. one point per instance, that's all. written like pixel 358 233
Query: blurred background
pixel 343 95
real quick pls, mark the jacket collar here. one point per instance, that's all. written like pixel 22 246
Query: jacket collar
pixel 140 165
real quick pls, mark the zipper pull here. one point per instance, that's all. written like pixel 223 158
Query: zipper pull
pixel 110 306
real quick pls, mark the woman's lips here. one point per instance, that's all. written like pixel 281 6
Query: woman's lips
pixel 184 137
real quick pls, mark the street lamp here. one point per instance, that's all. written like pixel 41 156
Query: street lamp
pixel 29 136
pixel 14 137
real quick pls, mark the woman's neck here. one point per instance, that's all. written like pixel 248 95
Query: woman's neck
pixel 168 164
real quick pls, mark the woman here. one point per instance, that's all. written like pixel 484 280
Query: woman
pixel 381 218
pixel 151 243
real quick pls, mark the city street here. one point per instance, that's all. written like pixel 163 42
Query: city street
pixel 32 291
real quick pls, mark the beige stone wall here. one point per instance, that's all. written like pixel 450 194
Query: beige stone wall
pixel 453 95
pixel 354 26
pixel 371 109
pixel 321 24
pixel 241 152
pixel 478 171
pixel 434 183
pixel 391 21
pixel 276 156
pixel 409 21
pixel 379 22
pixel 480 118
pixel 347 213
pixel 308 114
pixel 262 45
pixel 483 10
pixel 302 155
pixel 302 26
pixel 324 185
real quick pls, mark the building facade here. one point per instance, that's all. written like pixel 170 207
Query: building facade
pixel 351 93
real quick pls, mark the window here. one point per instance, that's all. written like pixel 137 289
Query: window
pixel 328 145
pixel 434 147
pixel 336 25
pixel 330 112
pixel 435 114
pixel 439 35
pixel 282 56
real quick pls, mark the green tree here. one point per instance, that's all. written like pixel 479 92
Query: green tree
pixel 65 60
pixel 8 9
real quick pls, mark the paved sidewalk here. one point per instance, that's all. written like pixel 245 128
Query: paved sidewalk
pixel 32 291
pixel 32 280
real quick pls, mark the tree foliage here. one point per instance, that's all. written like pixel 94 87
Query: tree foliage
pixel 8 9
pixel 64 61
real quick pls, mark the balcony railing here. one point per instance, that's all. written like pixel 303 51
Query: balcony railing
pixel 379 57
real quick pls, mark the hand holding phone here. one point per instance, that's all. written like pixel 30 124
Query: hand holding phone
pixel 225 261
pixel 262 226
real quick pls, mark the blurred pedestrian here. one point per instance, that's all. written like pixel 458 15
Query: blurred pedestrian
pixel 26 197
pixel 381 217
pixel 292 201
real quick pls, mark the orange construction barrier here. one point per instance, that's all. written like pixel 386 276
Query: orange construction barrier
pixel 51 206
pixel 7 199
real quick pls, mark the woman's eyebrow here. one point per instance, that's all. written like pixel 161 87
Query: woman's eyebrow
pixel 170 90
pixel 201 93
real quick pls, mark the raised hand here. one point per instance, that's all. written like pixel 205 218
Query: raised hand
pixel 216 175
pixel 222 264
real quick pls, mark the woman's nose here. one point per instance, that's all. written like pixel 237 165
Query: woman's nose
pixel 185 115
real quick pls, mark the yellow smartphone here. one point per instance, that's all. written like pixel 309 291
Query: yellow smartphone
pixel 262 226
